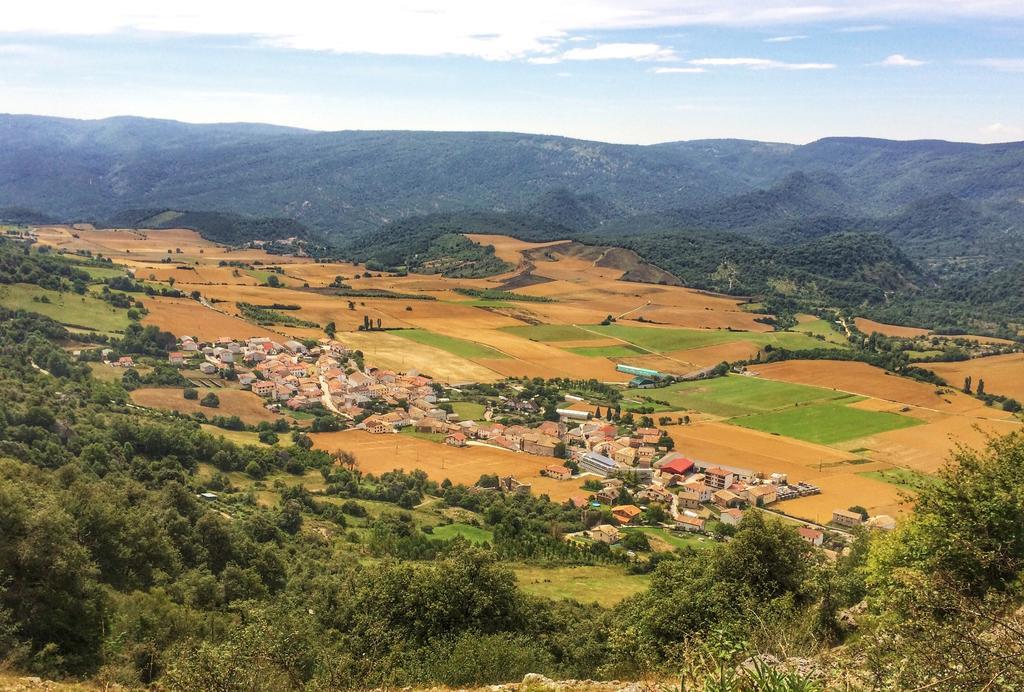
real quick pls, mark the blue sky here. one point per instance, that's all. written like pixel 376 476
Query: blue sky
pixel 635 71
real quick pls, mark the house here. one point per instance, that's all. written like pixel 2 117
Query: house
pixel 605 533
pixel 726 498
pixel 704 493
pixel 295 346
pixel 693 524
pixel 510 484
pixel 761 495
pixel 608 494
pixel 246 379
pixel 579 501
pixel 718 478
pixel 688 499
pixel 456 439
pixel 843 517
pixel 377 425
pixel 626 514
pixel 812 536
pixel 731 517
pixel 176 358
pixel 431 425
pixel 124 362
pixel 207 368
pixel 263 387
pixel 556 471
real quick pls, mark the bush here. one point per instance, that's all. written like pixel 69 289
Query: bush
pixel 211 400
pixel 190 394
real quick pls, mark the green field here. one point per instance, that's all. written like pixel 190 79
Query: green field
pixel 433 437
pixel 458 347
pixel 85 312
pixel 468 410
pixel 620 351
pixel 905 479
pixel 661 340
pixel 473 534
pixel 822 328
pixel 551 332
pixel 102 273
pixel 606 586
pixel 738 395
pixel 672 538
pixel 825 423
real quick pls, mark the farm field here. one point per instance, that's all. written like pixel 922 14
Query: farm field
pixel 386 350
pixel 233 402
pixel 866 380
pixel 820 327
pixel 183 316
pixel 84 312
pixel 926 448
pixel 842 490
pixel 736 395
pixel 663 340
pixel 604 585
pixel 905 479
pixel 1002 374
pixel 868 326
pixel 459 347
pixel 825 423
pixel 381 453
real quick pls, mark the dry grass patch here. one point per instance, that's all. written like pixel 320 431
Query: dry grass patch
pixel 233 402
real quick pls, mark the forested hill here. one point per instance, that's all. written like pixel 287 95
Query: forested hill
pixel 343 182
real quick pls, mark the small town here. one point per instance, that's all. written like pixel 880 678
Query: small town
pixel 626 468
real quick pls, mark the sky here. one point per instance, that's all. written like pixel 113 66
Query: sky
pixel 629 71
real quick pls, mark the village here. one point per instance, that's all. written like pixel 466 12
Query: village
pixel 625 467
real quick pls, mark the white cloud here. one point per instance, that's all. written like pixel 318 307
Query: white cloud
pixel 897 60
pixel 621 51
pixel 862 28
pixel 1002 132
pixel 761 64
pixel 785 39
pixel 1001 64
pixel 487 30
pixel 678 70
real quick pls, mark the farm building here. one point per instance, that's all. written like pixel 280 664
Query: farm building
pixel 640 372
pixel 598 463
pixel 571 414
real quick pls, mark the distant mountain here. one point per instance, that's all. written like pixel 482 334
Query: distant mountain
pixel 342 183
pixel 221 227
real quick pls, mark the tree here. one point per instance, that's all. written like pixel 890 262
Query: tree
pixel 861 511
pixel 981 386
pixel 330 329
pixel 211 400
pixel 190 393
pixel 967 385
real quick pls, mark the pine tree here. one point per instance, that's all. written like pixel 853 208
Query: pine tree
pixel 981 387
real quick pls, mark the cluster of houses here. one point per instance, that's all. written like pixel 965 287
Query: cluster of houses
pixel 695 493
pixel 290 374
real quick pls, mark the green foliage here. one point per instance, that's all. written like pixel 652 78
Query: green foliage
pixel 269 316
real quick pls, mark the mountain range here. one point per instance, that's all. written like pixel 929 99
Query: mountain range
pixel 848 220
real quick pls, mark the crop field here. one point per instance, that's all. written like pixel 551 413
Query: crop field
pixel 868 326
pixel 843 490
pixel 663 340
pixel 552 332
pixel 459 347
pixel 233 402
pixel 381 453
pixel 604 585
pixel 241 437
pixel 1002 374
pixel 819 327
pixel 84 312
pixel 867 380
pixel 183 316
pixel 736 395
pixel 617 351
pixel 386 350
pixel 825 423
